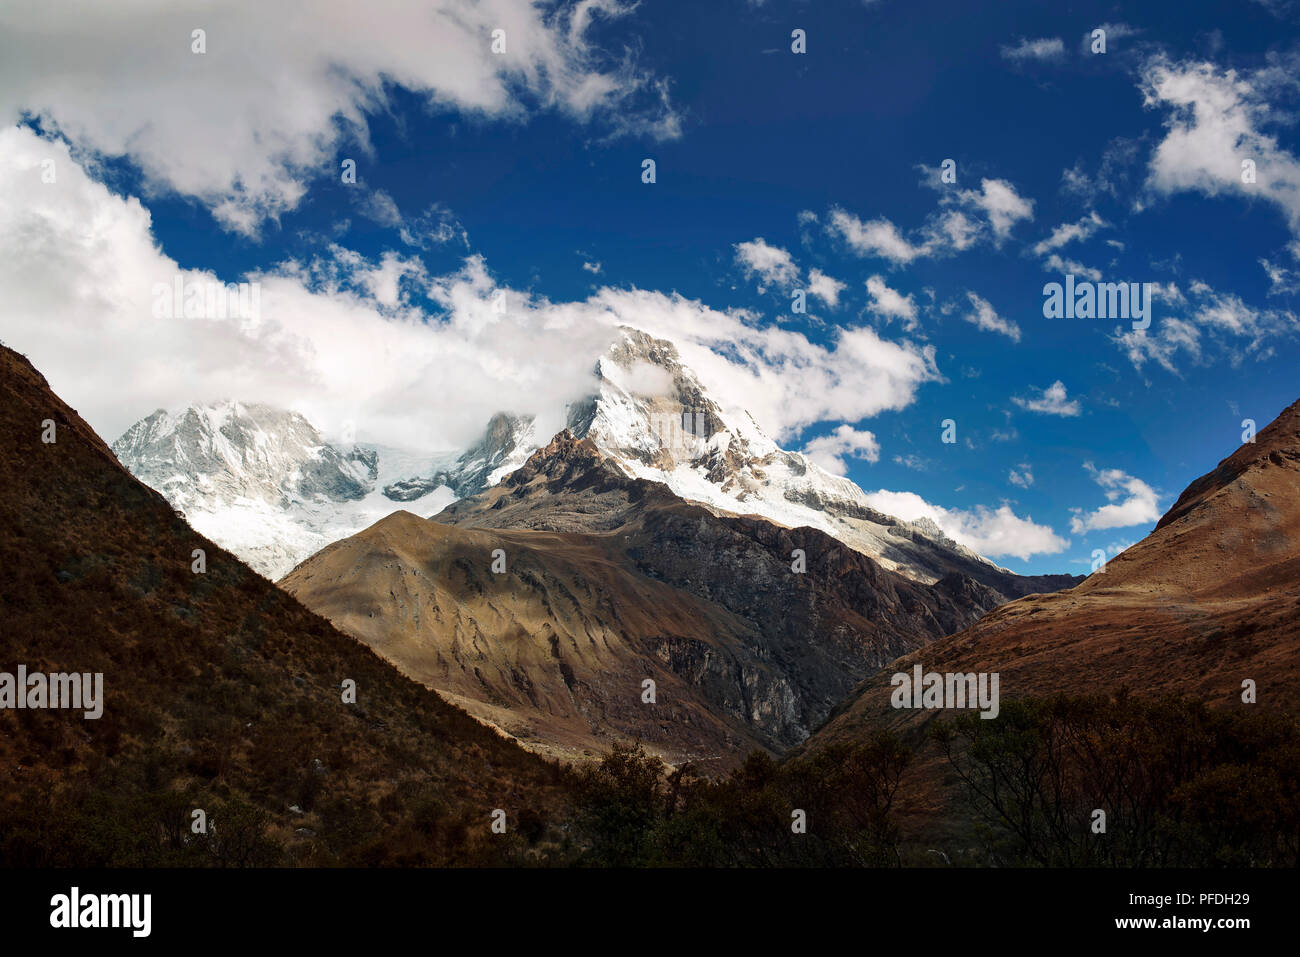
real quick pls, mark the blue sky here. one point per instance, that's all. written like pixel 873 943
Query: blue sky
pixel 1122 165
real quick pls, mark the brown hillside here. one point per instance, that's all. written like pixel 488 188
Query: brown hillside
pixel 222 692
pixel 1210 598
pixel 554 651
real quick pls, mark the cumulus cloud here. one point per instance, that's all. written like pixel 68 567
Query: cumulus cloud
pixel 783 379
pixel 826 288
pixel 1214 123
pixel 994 532
pixel 245 126
pixel 1131 502
pixel 384 281
pixel 876 237
pixel 891 303
pixel 1050 401
pixel 829 451
pixel 1000 203
pixel 771 264
pixel 344 337
pixel 954 230
pixel 986 317
pixel 1022 475
pixel 964 217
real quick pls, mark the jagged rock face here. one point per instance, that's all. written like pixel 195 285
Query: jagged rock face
pixel 611 579
pixel 231 450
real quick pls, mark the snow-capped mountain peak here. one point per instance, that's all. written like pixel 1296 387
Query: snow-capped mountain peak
pixel 262 481
pixel 227 451
pixel 265 484
pixel 653 415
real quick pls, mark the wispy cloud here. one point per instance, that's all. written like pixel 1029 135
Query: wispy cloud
pixel 1042 49
pixel 986 317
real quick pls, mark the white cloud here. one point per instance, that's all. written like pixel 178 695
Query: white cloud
pixel 1216 324
pixel 436 226
pixel 593 268
pixel 1042 49
pixel 1000 203
pixel 1024 477
pixel 891 303
pixel 771 264
pixel 1070 232
pixel 1054 263
pixel 1213 125
pixel 826 288
pixel 829 451
pixel 1161 344
pixel 964 218
pixel 1113 177
pixel 1132 502
pixel 1281 280
pixel 384 282
pixel 381 207
pixel 1050 401
pixel 993 532
pixel 1229 313
pixel 776 374
pixel 986 318
pixel 280 97
pixel 343 338
pixel 955 230
pixel 641 378
pixel 876 237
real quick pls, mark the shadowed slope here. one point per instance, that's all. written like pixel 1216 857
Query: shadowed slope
pixel 221 691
